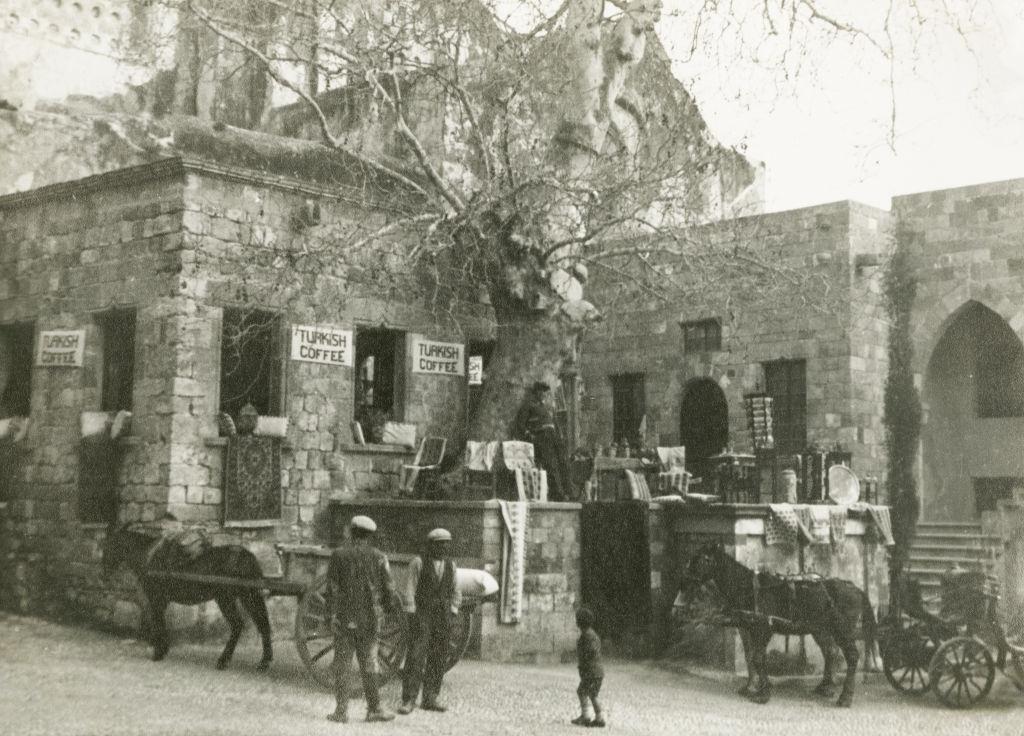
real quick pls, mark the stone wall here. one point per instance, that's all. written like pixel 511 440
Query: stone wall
pixel 179 243
pixel 551 586
pixel 835 321
pixel 967 254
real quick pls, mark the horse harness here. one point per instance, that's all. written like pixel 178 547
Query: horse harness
pixel 790 582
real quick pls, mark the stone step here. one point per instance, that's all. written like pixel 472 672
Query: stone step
pixel 941 564
pixel 929 551
pixel 948 527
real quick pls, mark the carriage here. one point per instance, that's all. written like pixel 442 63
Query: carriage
pixel 955 652
pixel 301 579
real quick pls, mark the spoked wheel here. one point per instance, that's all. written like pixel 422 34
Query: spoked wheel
pixel 461 633
pixel 962 672
pixel 314 638
pixel 906 656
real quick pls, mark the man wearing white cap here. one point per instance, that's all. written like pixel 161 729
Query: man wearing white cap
pixel 359 584
pixel 432 600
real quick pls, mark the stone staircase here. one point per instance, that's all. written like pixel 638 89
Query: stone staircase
pixel 939 546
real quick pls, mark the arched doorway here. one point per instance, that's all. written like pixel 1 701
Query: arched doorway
pixel 972 439
pixel 703 423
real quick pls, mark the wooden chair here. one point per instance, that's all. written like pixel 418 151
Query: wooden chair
pixel 428 458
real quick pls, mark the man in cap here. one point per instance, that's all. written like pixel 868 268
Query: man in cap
pixel 535 423
pixel 431 601
pixel 359 584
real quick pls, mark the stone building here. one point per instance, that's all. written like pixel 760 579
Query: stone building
pixel 179 290
pixel 822 353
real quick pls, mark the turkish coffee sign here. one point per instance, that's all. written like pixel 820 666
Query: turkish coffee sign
pixel 60 349
pixel 321 344
pixel 439 358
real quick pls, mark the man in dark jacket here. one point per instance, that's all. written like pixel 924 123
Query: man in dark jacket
pixel 359 585
pixel 535 423
pixel 432 600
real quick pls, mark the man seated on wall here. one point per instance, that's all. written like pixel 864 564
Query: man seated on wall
pixel 535 423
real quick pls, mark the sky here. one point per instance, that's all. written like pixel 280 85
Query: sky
pixel 827 133
pixel 820 120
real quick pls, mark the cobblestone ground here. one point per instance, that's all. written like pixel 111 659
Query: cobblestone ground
pixel 61 680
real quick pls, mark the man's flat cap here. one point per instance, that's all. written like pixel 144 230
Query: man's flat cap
pixel 363 522
pixel 439 535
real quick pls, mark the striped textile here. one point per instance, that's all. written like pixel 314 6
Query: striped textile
pixel 532 484
pixel 515 519
pixel 638 488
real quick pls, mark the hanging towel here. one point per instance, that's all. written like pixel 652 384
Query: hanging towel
pixel 516 454
pixel 821 530
pixel 837 523
pixel 780 526
pixel 672 457
pixel 883 521
pixel 515 518
pixel 803 522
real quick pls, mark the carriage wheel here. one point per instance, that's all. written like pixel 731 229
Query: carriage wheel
pixel 313 636
pixel 906 656
pixel 962 672
pixel 461 633
pixel 315 640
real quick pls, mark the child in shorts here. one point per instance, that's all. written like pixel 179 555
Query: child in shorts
pixel 588 661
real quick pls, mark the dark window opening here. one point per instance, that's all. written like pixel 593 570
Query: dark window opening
pixel 251 361
pixel 987 491
pixel 1000 375
pixel 481 350
pixel 16 342
pixel 786 383
pixel 117 335
pixel 702 336
pixel 380 360
pixel 628 407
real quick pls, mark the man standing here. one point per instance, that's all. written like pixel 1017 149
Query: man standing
pixel 535 423
pixel 432 600
pixel 359 584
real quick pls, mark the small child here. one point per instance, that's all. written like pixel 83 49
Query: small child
pixel 588 660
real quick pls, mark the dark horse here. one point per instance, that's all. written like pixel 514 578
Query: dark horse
pixel 762 604
pixel 135 549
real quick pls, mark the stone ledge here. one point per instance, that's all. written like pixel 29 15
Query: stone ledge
pixel 369 449
pixel 223 442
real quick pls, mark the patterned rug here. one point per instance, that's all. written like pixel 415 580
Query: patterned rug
pixel 252 479
pixel 515 518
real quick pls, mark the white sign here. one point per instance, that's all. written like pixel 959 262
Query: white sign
pixel 320 344
pixel 476 370
pixel 442 358
pixel 61 349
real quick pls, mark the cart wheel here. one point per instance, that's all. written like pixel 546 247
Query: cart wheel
pixel 906 656
pixel 314 638
pixel 461 633
pixel 962 672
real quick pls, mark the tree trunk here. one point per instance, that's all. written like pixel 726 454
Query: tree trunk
pixel 530 347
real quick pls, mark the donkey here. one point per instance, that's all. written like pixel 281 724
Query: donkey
pixel 135 550
pixel 762 604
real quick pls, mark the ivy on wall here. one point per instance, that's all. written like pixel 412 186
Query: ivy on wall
pixel 902 402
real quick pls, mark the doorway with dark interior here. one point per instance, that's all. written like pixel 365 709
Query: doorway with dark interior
pixel 703 424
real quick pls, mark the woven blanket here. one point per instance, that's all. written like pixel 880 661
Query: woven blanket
pixel 674 481
pixel 780 526
pixel 638 488
pixel 515 454
pixel 532 484
pixel 880 517
pixel 515 519
pixel 252 478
